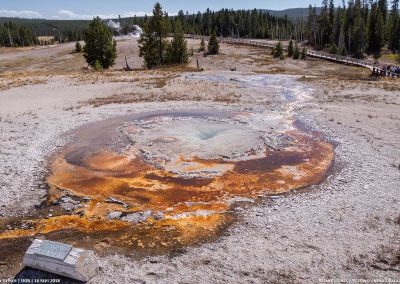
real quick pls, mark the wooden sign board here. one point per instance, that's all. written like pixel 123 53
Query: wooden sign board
pixel 61 259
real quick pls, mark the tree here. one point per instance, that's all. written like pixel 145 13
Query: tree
pixel 376 30
pixel 324 30
pixel 290 48
pixel 394 27
pixel 333 49
pixel 343 51
pixel 383 7
pixel 100 48
pixel 362 25
pixel 213 44
pixel 312 25
pixel 177 50
pixel 279 51
pixel 296 52
pixel 358 34
pixel 303 54
pixel 152 42
pixel 202 45
pixel 78 47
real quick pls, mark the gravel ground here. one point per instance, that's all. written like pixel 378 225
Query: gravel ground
pixel 347 228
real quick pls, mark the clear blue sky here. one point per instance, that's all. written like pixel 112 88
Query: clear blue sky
pixel 82 9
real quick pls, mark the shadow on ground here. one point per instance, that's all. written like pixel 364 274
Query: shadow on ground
pixel 31 275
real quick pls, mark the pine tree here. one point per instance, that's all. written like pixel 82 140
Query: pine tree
pixel 358 35
pixel 375 30
pixel 148 48
pixel 100 49
pixel 152 43
pixel 332 18
pixel 394 27
pixel 177 50
pixel 312 25
pixel 303 54
pixel 383 7
pixel 296 52
pixel 213 44
pixel 279 51
pixel 290 48
pixel 324 24
pixel 202 45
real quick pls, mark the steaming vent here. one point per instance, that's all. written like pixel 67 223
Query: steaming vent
pixel 122 31
pixel 136 31
pixel 114 25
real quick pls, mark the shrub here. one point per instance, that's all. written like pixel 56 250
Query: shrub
pixel 78 47
pixel 98 66
pixel 333 49
pixel 343 51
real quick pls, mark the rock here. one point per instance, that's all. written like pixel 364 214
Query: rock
pixel 158 216
pixel 67 206
pixel 114 215
pixel 67 199
pixel 115 200
pixel 137 217
pixel 61 259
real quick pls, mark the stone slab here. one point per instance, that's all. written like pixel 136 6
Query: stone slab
pixel 61 259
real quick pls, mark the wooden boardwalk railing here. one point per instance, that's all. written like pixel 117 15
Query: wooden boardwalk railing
pixel 377 70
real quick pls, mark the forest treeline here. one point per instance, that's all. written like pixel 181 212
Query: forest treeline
pixel 355 27
pixel 242 23
pixel 25 32
pixel 233 23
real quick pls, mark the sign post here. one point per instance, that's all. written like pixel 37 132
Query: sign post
pixel 61 259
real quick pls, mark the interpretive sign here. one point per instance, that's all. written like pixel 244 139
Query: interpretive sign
pixel 61 259
pixel 55 250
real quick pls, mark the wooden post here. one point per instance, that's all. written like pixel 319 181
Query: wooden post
pixel 61 259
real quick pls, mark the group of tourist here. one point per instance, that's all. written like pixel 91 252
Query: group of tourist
pixel 392 69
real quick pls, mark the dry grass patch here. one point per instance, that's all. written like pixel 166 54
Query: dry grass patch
pixel 20 82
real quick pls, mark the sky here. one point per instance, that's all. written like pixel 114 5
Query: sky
pixel 87 9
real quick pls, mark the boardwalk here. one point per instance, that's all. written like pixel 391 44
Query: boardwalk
pixel 377 70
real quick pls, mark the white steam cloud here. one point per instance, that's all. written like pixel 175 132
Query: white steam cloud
pixel 114 25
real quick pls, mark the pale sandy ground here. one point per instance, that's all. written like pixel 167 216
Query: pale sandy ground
pixel 347 228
